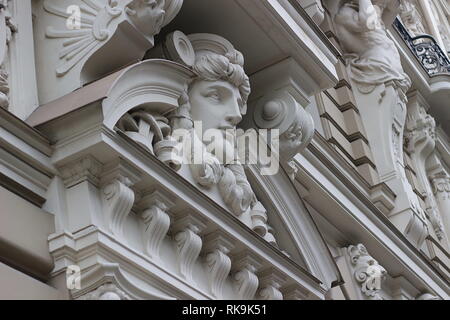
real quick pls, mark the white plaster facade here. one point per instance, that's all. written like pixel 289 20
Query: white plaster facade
pixel 98 201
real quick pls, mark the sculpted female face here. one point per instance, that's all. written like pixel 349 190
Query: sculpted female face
pixel 217 104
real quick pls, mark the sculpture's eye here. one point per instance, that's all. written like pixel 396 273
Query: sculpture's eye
pixel 214 96
pixel 152 4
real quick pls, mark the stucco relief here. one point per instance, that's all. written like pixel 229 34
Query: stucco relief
pixel 76 39
pixel 371 54
pixel 217 99
pixel 420 141
pixel 106 291
pixel 411 17
pixel 198 136
pixel 375 68
pixel 7 28
pixel 96 17
pixel 441 185
pixel 367 271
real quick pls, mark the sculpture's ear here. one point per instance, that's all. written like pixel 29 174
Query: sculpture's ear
pixel 244 110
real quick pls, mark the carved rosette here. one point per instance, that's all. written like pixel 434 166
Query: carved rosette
pixel 106 291
pixel 216 248
pixel 367 271
pixel 156 221
pixel 188 243
pixel 245 279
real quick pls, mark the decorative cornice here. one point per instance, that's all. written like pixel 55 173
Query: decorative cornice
pixel 106 291
pixel 84 169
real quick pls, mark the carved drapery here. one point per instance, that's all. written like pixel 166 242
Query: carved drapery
pixel 371 54
pixel 375 68
pixel 367 271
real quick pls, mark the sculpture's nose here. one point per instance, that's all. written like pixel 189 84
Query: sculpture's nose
pixel 234 113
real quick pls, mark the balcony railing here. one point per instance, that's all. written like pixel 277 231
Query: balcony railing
pixel 426 49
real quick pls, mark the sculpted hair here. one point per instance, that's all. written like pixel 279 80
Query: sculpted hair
pixel 212 67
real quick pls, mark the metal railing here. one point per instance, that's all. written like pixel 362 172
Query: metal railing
pixel 426 49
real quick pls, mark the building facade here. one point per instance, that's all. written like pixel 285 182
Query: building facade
pixel 227 149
